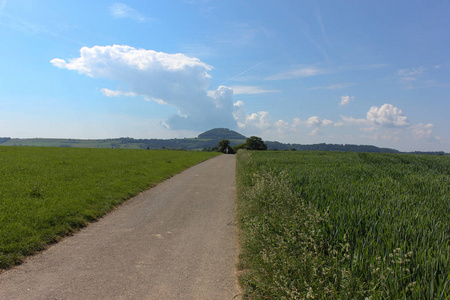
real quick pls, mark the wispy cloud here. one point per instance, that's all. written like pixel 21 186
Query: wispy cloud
pixel 239 34
pixel 322 26
pixel 372 66
pixel 336 86
pixel 422 77
pixel 120 10
pixel 242 73
pixel 20 25
pixel 410 72
pixel 251 90
pixel 345 100
pixel 298 73
pixel 111 93
pixel 2 5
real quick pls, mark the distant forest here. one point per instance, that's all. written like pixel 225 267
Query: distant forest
pixel 206 141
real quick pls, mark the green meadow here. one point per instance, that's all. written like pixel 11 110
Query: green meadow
pixel 334 225
pixel 47 193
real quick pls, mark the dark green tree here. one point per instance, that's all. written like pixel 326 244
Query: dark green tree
pixel 224 147
pixel 255 143
pixel 241 146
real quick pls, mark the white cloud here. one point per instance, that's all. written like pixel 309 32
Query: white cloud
pixel 389 135
pixel 282 126
pixel 326 122
pixel 296 125
pixel 353 121
pixel 250 90
pixel 239 103
pixel 175 79
pixel 387 123
pixel 387 115
pixel 315 131
pixel 315 121
pixel 111 93
pixel 410 72
pixel 422 131
pixel 345 100
pixel 368 129
pixel 120 10
pixel 298 73
pixel 259 121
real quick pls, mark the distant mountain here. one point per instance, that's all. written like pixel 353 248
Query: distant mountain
pixel 221 134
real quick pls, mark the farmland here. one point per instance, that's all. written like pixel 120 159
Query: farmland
pixel 333 225
pixel 47 193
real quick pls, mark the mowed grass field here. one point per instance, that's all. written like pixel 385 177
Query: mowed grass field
pixel 328 225
pixel 47 193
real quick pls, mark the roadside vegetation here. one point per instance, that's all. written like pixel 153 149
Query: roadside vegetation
pixel 334 225
pixel 47 193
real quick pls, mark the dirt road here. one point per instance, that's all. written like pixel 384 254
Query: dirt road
pixel 175 241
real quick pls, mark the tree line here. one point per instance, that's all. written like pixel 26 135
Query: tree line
pixel 252 143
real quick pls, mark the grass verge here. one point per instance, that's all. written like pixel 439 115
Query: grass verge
pixel 325 225
pixel 47 193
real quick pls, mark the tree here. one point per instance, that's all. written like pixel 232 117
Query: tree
pixel 255 143
pixel 241 146
pixel 224 147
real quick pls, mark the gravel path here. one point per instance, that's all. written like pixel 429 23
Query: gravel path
pixel 175 241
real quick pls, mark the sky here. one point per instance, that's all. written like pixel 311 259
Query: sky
pixel 341 72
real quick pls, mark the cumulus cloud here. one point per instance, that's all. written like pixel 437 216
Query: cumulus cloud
pixel 388 123
pixel 259 121
pixel 387 115
pixel 262 122
pixel 296 125
pixel 282 126
pixel 316 123
pixel 173 79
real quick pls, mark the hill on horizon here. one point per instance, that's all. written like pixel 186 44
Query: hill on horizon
pixel 221 134
pixel 206 141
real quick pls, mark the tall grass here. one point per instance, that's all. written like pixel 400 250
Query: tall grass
pixel 46 193
pixel 344 225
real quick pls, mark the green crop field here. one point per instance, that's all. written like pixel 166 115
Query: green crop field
pixel 329 225
pixel 46 193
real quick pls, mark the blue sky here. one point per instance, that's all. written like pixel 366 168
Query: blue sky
pixel 347 72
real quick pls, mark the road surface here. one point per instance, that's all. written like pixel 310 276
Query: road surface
pixel 175 241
